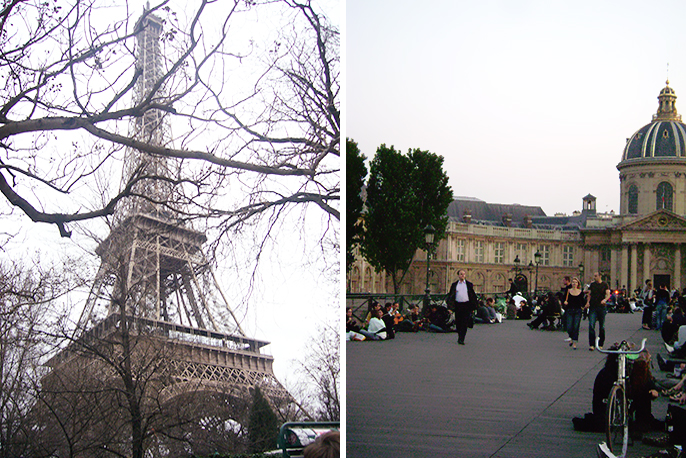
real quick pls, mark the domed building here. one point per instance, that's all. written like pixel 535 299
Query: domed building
pixel 653 162
pixel 645 240
pixel 495 242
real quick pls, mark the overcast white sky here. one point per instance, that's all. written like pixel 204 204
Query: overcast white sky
pixel 529 102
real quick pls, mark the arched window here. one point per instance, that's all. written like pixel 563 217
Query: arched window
pixel 355 280
pixel 633 199
pixel 499 283
pixel 367 288
pixel 479 281
pixel 664 196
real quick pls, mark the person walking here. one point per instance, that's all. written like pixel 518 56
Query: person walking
pixel 574 303
pixel 462 299
pixel 598 294
pixel 566 284
pixel 647 295
pixel 661 304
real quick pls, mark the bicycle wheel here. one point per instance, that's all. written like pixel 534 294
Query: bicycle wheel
pixel 617 425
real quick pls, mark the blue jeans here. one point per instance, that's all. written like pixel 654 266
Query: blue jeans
pixel 660 314
pixel 596 314
pixel 573 323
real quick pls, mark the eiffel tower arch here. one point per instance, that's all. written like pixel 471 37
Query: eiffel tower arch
pixel 157 336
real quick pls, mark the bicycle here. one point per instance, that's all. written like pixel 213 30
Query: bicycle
pixel 617 413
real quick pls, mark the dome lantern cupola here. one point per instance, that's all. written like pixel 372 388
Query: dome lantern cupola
pixel 664 138
pixel 666 111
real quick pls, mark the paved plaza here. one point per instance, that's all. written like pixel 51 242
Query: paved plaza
pixel 509 393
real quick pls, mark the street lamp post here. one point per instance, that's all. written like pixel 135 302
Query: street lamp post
pixel 531 269
pixel 429 240
pixel 537 257
pixel 581 275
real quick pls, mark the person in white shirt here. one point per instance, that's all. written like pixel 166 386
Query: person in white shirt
pixel 376 325
pixel 462 299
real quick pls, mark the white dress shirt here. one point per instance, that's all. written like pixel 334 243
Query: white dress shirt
pixel 461 294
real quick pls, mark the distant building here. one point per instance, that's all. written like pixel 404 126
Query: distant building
pixel 643 242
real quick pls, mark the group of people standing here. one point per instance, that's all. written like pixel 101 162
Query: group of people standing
pixel 657 303
pixel 594 301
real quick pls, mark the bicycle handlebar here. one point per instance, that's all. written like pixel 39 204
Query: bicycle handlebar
pixel 621 352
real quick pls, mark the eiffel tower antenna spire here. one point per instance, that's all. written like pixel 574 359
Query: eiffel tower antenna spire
pixel 152 128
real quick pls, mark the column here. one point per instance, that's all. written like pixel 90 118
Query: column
pixel 624 276
pixel 677 266
pixel 646 263
pixel 614 277
pixel 633 284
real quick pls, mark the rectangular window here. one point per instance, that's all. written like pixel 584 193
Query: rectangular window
pixel 459 250
pixel 545 258
pixel 520 251
pixel 499 253
pixel 479 251
pixel 568 256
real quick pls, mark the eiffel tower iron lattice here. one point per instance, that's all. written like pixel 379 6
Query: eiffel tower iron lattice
pixel 155 284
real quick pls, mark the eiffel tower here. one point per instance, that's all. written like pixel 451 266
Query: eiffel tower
pixel 155 279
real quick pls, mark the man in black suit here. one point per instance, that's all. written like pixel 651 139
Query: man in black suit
pixel 462 299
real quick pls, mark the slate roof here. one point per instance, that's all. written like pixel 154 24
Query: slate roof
pixel 492 215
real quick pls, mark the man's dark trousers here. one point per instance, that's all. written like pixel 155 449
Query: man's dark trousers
pixel 462 315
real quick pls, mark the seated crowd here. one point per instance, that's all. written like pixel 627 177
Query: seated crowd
pixel 383 322
pixel 549 311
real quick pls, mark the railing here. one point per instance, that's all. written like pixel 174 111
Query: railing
pixel 359 302
pixel 513 232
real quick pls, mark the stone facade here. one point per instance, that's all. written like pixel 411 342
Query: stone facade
pixel 487 253
pixel 645 241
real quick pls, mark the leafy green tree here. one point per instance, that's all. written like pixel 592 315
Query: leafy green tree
pixel 405 193
pixel 356 172
pixel 263 425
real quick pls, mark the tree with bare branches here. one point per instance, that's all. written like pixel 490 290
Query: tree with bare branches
pixel 260 119
pixel 26 318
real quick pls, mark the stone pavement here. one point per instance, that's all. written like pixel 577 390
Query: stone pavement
pixel 509 393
